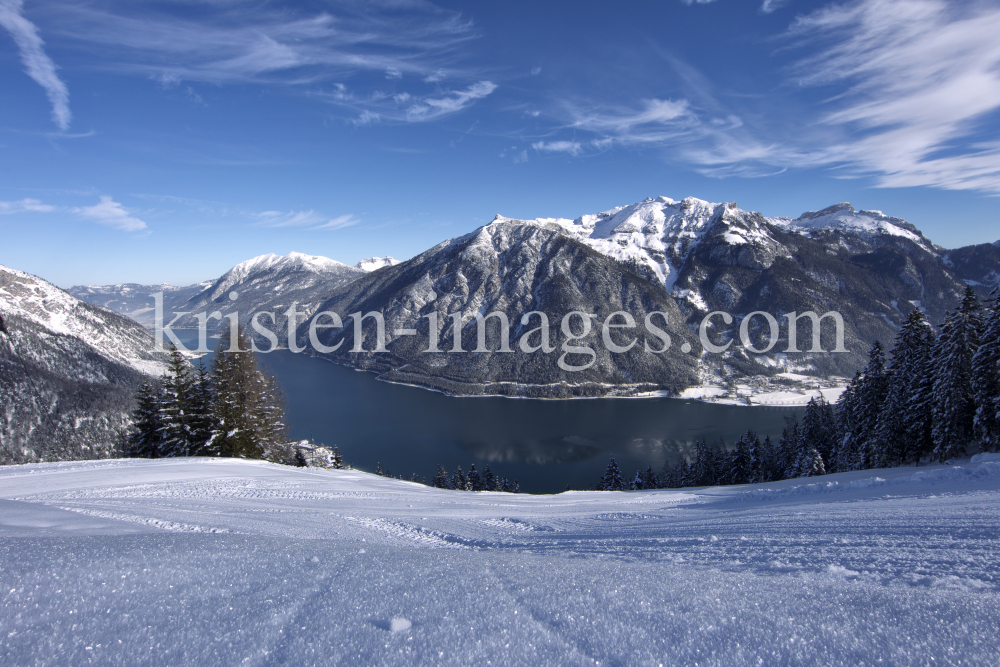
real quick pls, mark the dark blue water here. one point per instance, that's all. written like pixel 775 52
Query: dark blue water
pixel 544 444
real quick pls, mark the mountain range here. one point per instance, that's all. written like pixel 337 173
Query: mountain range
pixel 684 258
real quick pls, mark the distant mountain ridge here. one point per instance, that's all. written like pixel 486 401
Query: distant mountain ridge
pixel 698 256
pixel 701 256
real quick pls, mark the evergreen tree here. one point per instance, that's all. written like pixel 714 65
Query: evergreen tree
pixel 649 479
pixel 441 478
pixel 954 399
pixel 247 406
pixel 739 467
pixel 819 427
pixel 612 480
pixel 475 482
pixel 489 479
pixel 903 425
pixel 871 395
pixel 146 436
pixel 178 408
pixel 811 463
pixel 378 469
pixel 986 380
pixel 787 455
pixel 337 459
pixel 459 481
pixel 203 426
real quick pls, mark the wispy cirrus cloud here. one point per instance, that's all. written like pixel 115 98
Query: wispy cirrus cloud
pixel 430 108
pixel 770 6
pixel 913 85
pixel 304 220
pixel 37 64
pixel 25 205
pixel 262 42
pixel 570 147
pixel 346 48
pixel 110 214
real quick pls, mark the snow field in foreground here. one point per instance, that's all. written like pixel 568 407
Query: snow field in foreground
pixel 222 562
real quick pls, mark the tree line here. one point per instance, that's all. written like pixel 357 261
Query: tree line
pixel 937 397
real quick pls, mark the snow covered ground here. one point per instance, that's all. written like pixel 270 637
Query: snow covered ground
pixel 208 561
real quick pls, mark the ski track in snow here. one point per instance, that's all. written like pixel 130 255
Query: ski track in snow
pixel 209 561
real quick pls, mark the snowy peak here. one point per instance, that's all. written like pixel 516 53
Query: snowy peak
pixel 296 261
pixel 844 217
pixel 374 263
pixel 657 234
pixel 295 269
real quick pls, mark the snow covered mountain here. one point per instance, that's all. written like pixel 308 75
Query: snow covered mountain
pixel 695 255
pixel 373 263
pixel 271 283
pixel 69 369
pixel 513 267
pixel 136 301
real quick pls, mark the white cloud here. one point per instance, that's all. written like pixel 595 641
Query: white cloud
pixel 110 214
pixel 36 63
pixel 922 78
pixel 430 108
pixel 655 122
pixel 366 119
pixel 304 220
pixel 772 5
pixel 339 222
pixel 571 147
pixel 521 157
pixel 25 205
pixel 238 41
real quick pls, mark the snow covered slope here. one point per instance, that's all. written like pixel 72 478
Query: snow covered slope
pixel 67 372
pixel 221 562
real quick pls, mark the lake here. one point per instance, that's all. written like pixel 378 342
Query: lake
pixel 544 444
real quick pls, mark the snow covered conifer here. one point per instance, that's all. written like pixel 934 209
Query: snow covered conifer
pixel 954 399
pixel 612 480
pixel 440 480
pixel 147 423
pixel 475 482
pixel 337 459
pixel 902 429
pixel 248 406
pixel 178 407
pixel 986 380
pixel 459 481
pixel 787 458
pixel 871 393
pixel 811 463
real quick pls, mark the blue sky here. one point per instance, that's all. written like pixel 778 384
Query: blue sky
pixel 166 141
